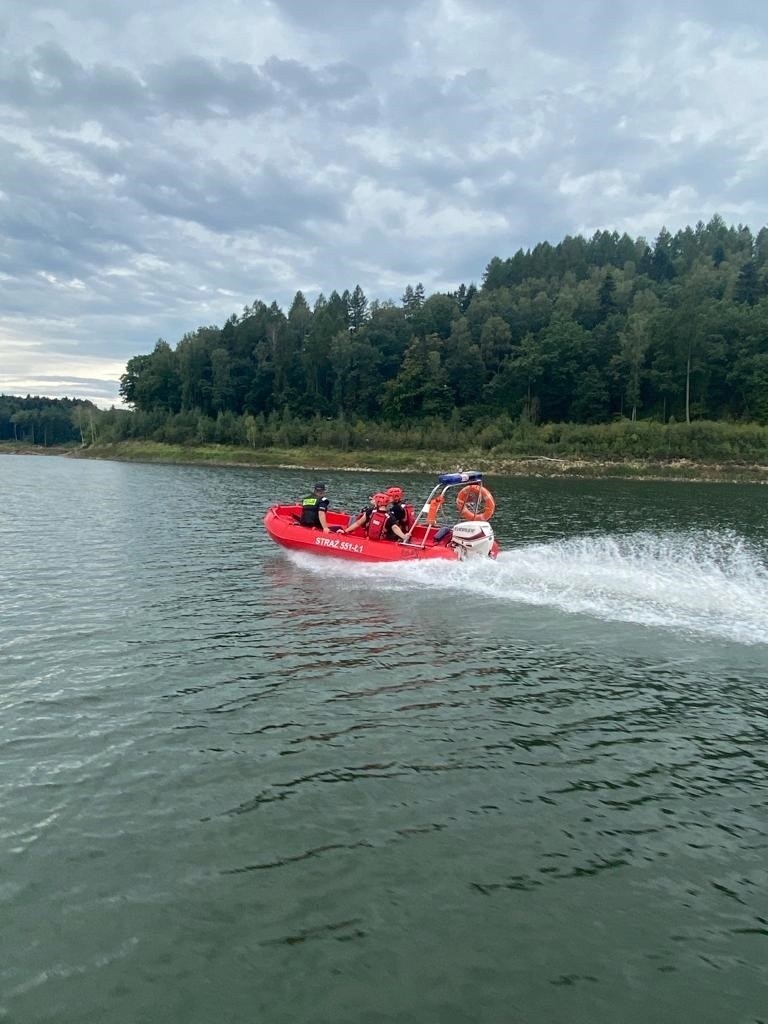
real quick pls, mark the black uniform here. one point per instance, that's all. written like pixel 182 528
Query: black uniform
pixel 397 516
pixel 310 509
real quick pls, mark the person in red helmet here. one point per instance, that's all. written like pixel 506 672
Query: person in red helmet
pixel 383 524
pixel 398 511
pixel 364 516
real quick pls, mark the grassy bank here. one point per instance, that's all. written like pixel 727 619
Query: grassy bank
pixel 25 448
pixel 429 461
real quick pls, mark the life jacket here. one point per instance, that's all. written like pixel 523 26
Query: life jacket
pixel 377 524
pixel 410 518
pixel 309 511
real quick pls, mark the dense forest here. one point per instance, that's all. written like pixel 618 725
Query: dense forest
pixel 585 332
pixel 47 421
pixel 582 332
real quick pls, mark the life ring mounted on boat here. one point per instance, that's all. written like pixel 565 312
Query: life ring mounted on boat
pixel 469 499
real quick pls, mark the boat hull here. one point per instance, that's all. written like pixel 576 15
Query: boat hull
pixel 282 526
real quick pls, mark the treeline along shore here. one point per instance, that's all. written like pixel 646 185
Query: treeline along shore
pixel 645 450
pixel 608 352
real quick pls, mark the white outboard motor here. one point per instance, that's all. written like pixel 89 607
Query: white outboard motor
pixel 472 539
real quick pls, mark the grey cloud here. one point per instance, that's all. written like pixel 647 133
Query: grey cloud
pixel 107 160
pixel 372 35
pixel 709 167
pixel 189 86
pixel 56 225
pixel 200 88
pixel 466 266
pixel 50 78
pixel 592 32
pixel 740 14
pixel 343 16
pixel 66 229
pixel 154 179
pixel 340 81
pixel 223 202
pixel 588 29
pixel 445 106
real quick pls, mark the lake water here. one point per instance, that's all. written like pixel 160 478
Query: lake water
pixel 238 785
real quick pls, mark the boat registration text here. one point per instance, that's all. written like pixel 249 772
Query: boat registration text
pixel 340 545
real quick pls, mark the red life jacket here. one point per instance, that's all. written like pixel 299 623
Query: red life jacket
pixel 376 524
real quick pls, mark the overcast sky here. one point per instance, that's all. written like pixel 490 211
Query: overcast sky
pixel 164 164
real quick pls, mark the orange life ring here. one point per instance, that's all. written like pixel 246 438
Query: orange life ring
pixel 468 502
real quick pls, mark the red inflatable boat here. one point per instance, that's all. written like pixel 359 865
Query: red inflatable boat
pixel 471 538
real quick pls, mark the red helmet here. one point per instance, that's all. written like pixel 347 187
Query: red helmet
pixel 380 499
pixel 395 493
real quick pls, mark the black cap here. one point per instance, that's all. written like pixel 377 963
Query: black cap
pixel 319 487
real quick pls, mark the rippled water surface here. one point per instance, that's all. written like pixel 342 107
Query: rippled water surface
pixel 237 785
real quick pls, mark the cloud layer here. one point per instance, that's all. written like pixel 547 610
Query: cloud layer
pixel 162 166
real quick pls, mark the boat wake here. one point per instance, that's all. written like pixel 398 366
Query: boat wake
pixel 712 584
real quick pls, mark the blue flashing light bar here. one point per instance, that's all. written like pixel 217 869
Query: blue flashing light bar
pixel 460 478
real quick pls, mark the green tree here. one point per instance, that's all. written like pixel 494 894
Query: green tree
pixel 494 343
pixel 464 365
pixel 152 382
pixel 635 341
pixel 421 387
pixel 358 309
pixel 748 286
pixel 221 381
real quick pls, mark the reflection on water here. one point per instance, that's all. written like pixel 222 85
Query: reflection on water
pixel 272 787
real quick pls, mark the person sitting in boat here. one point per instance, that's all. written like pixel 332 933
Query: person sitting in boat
pixel 383 524
pixel 314 507
pixel 403 514
pixel 363 517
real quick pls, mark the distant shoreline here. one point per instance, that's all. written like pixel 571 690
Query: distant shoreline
pixel 688 470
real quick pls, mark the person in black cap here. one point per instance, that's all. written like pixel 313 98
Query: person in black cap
pixel 313 509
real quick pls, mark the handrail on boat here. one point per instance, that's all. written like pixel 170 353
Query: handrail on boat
pixel 444 482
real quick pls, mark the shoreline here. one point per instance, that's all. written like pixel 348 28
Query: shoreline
pixel 541 466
